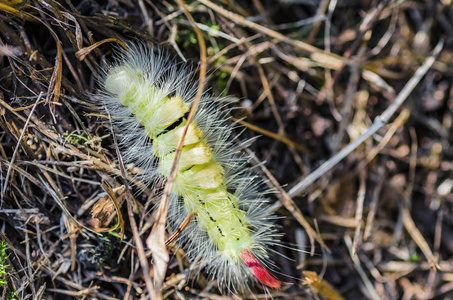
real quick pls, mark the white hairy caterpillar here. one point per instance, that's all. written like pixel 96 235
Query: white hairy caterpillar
pixel 148 96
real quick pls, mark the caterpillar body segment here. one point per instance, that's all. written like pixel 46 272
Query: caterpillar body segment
pixel 148 96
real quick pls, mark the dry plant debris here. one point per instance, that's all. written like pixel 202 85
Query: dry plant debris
pixel 310 77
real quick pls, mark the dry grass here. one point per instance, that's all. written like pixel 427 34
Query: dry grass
pixel 375 223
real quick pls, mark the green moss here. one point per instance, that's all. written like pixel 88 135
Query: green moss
pixel 3 265
pixel 82 139
pixel 11 296
pixel 220 79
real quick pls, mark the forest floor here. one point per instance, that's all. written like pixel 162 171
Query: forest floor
pixel 306 78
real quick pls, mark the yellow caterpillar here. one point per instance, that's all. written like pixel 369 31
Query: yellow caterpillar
pixel 148 96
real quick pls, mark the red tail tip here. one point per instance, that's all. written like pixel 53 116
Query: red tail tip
pixel 258 270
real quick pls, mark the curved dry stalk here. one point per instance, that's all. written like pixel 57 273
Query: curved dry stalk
pixel 156 239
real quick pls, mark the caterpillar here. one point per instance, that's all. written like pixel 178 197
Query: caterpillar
pixel 148 95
